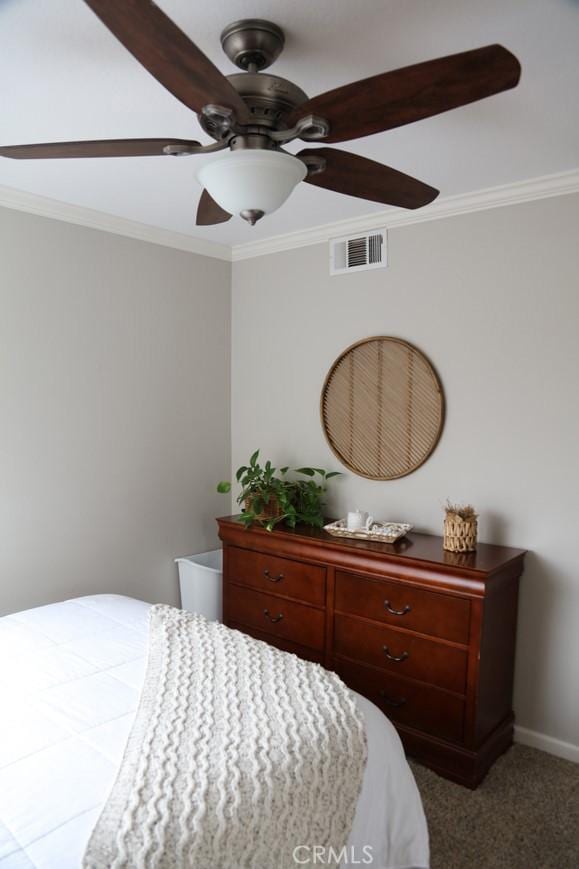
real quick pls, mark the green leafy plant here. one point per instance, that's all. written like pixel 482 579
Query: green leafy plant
pixel 267 496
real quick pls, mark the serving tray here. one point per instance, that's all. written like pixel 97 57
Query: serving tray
pixel 384 532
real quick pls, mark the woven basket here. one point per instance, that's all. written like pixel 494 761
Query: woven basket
pixel 460 534
pixel 271 510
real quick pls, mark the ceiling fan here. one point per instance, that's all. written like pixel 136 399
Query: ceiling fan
pixel 252 114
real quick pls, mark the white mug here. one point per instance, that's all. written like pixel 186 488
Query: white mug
pixel 357 520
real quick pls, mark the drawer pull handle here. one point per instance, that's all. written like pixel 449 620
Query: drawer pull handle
pixel 273 619
pixel 271 578
pixel 394 612
pixel 392 701
pixel 396 658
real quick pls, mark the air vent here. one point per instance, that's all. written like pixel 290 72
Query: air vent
pixel 357 253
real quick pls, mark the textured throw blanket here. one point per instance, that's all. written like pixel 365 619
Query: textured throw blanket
pixel 239 754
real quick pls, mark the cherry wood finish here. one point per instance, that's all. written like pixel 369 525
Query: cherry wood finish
pixel 427 635
pixel 277 616
pixel 406 701
pixel 403 606
pixel 357 176
pixel 93 148
pixel 280 643
pixel 401 652
pixel 209 212
pixel 403 96
pixel 281 576
pixel 168 54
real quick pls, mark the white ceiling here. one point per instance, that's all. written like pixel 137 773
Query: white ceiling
pixel 64 76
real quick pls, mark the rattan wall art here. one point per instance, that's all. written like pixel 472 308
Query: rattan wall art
pixel 382 408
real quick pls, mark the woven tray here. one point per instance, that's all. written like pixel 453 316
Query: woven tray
pixel 383 532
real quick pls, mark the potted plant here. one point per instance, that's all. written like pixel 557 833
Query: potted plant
pixel 269 497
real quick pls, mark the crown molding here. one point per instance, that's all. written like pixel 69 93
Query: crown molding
pixel 31 203
pixel 449 206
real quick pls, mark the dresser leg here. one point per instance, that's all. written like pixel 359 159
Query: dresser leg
pixel 461 765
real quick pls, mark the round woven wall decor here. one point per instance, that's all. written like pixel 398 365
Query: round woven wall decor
pixel 382 408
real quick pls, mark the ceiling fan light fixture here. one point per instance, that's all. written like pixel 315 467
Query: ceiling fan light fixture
pixel 249 182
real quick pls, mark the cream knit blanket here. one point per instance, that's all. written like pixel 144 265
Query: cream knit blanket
pixel 239 753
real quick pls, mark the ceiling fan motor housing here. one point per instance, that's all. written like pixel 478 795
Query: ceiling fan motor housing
pixel 269 98
pixel 253 44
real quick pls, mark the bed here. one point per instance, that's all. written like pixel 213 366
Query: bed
pixel 70 680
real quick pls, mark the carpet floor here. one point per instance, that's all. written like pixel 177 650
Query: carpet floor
pixel 525 815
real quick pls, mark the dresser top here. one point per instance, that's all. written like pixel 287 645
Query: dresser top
pixel 413 548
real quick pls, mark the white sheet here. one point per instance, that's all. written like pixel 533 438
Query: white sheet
pixel 70 679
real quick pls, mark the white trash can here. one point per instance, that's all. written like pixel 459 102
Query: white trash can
pixel 200 583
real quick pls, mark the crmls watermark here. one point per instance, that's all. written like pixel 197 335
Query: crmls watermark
pixel 319 855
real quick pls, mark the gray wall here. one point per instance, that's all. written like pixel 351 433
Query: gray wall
pixel 493 299
pixel 115 397
pixel 114 411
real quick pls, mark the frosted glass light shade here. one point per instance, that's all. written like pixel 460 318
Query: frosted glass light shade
pixel 251 180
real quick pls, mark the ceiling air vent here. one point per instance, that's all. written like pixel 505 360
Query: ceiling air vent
pixel 357 253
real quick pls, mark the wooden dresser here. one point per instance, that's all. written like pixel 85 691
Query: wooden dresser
pixel 427 635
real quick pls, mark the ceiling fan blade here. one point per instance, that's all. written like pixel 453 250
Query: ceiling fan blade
pixel 168 54
pixel 403 96
pixel 97 148
pixel 209 212
pixel 357 176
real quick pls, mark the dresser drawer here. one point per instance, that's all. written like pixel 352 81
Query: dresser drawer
pixel 421 707
pixel 279 642
pixel 274 615
pixel 275 575
pixel 427 660
pixel 439 615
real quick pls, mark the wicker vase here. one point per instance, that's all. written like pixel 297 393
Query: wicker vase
pixel 460 534
pixel 271 510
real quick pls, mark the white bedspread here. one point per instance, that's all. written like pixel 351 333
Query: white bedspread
pixel 70 679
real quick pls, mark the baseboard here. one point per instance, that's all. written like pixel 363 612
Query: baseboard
pixel 566 750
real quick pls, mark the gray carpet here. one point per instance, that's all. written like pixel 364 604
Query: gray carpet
pixel 525 815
